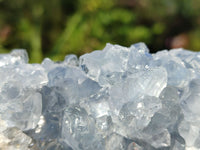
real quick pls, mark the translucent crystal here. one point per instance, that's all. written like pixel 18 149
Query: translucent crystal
pixel 190 102
pixel 79 129
pixel 134 146
pixel 139 56
pixel 47 64
pixel 190 59
pixel 71 60
pixel 159 139
pixel 16 57
pixel 144 82
pixel 137 114
pixel 14 139
pixel 116 99
pixel 178 74
pixel 21 99
pixel 97 105
pixel 104 125
pixel 190 133
pixel 113 58
pixel 115 142
pixel 178 146
pixel 171 111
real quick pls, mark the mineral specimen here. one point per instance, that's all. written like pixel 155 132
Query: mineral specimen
pixel 116 99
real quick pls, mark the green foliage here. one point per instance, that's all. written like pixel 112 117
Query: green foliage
pixel 59 27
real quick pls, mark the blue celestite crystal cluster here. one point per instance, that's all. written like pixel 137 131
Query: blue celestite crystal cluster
pixel 117 98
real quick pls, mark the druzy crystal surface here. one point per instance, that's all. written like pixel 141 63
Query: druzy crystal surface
pixel 117 98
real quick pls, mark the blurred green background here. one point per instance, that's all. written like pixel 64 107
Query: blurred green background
pixel 58 27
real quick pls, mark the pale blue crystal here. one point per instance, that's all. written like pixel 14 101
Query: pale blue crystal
pixel 117 98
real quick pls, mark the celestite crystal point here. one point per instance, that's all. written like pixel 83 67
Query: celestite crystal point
pixel 118 98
